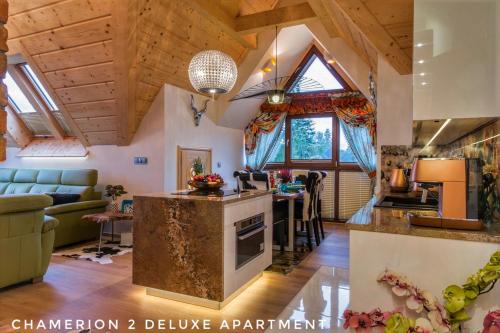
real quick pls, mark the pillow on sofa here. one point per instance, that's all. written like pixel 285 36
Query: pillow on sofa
pixel 63 198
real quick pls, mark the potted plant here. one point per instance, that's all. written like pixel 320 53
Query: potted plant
pixel 113 192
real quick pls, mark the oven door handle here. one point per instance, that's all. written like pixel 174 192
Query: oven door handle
pixel 250 234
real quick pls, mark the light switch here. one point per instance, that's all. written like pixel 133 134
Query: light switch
pixel 140 160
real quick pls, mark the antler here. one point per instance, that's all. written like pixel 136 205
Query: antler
pixel 205 104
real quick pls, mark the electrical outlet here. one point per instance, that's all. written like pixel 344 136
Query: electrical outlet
pixel 140 160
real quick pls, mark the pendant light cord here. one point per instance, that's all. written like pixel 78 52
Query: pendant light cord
pixel 276 55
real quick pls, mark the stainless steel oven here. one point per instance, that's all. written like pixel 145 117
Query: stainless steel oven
pixel 250 234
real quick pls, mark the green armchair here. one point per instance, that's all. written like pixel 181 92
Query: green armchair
pixel 26 237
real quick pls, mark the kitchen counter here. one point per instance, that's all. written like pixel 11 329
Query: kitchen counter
pixel 185 246
pixel 394 221
pixel 432 258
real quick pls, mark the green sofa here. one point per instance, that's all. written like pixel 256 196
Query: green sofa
pixel 71 228
pixel 26 237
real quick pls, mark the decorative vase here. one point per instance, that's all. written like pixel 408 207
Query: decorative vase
pixel 114 207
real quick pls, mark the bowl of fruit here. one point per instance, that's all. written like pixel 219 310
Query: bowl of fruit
pixel 212 182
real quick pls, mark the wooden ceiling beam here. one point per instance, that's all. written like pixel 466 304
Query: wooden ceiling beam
pixel 282 17
pixel 17 129
pixel 322 13
pixel 38 104
pixel 125 15
pixel 369 26
pixel 213 11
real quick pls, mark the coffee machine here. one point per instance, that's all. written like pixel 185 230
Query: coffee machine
pixel 459 187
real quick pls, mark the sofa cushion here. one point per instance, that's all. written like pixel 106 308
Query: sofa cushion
pixel 49 177
pixel 7 175
pixel 18 188
pixel 3 187
pixel 64 198
pixel 25 176
pixel 43 188
pixel 86 192
pixel 79 177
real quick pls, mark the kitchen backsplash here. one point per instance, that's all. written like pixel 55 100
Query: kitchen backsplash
pixel 470 146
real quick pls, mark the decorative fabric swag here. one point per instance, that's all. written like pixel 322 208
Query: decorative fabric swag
pixel 352 107
pixel 264 122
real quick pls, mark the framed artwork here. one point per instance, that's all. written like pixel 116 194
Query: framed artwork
pixel 127 206
pixel 185 160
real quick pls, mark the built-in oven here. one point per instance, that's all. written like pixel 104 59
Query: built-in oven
pixel 250 234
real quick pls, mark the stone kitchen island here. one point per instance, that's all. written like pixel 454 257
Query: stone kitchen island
pixel 201 249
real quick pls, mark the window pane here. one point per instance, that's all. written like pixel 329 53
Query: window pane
pixel 345 152
pixel 278 155
pixel 39 86
pixel 17 97
pixel 311 139
pixel 318 72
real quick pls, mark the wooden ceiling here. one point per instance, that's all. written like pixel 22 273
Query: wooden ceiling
pixel 104 61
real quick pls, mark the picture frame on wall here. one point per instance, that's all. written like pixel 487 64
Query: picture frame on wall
pixel 185 159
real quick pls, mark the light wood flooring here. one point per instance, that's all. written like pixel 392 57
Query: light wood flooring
pixel 86 290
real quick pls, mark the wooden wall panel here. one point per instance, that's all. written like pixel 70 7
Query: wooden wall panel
pixel 102 138
pixel 92 109
pixel 78 76
pixel 69 36
pixel 56 15
pixel 75 57
pixel 98 124
pixel 16 7
pixel 87 93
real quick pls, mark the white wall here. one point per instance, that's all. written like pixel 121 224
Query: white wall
pixel 394 109
pixel 460 55
pixel 180 130
pixel 115 164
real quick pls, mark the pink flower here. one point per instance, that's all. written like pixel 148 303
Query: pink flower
pixel 360 322
pixel 491 322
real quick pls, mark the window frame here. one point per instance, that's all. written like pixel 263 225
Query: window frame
pixel 332 164
pixel 304 65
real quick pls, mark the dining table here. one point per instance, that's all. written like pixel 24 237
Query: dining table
pixel 291 197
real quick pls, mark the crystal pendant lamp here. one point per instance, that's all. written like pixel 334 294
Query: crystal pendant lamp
pixel 212 72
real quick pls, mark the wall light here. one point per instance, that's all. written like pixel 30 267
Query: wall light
pixel 419 45
pixel 424 83
pixel 422 74
pixel 421 61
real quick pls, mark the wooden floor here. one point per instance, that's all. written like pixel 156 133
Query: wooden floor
pixel 85 290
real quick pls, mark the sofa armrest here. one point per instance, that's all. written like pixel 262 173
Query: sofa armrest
pixel 75 206
pixel 14 203
pixel 49 223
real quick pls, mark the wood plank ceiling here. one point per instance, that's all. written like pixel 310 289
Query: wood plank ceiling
pixel 104 61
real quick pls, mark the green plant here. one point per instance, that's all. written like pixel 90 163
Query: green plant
pixel 457 298
pixel 198 166
pixel 114 191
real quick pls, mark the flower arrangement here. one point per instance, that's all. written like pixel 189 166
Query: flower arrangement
pixel 457 298
pixel 440 319
pixel 491 323
pixel 285 175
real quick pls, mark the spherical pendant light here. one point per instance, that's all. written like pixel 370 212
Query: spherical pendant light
pixel 212 72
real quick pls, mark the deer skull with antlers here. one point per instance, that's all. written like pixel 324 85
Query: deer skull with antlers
pixel 198 113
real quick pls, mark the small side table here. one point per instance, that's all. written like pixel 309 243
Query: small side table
pixel 105 217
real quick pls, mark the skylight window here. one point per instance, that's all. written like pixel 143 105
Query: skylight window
pixel 16 96
pixel 316 70
pixel 39 86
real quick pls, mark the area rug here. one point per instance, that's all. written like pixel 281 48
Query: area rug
pixel 284 262
pixel 89 252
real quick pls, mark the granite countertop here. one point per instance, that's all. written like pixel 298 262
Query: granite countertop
pixel 394 221
pixel 225 200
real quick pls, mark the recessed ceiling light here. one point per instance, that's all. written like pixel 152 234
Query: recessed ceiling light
pixel 424 83
pixel 419 45
pixel 330 61
pixel 422 74
pixel 420 61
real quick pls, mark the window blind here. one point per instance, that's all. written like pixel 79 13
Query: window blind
pixel 354 192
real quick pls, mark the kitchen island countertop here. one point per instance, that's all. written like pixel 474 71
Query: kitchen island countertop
pixel 394 221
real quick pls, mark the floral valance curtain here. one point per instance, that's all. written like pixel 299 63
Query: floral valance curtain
pixel 264 123
pixel 351 107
